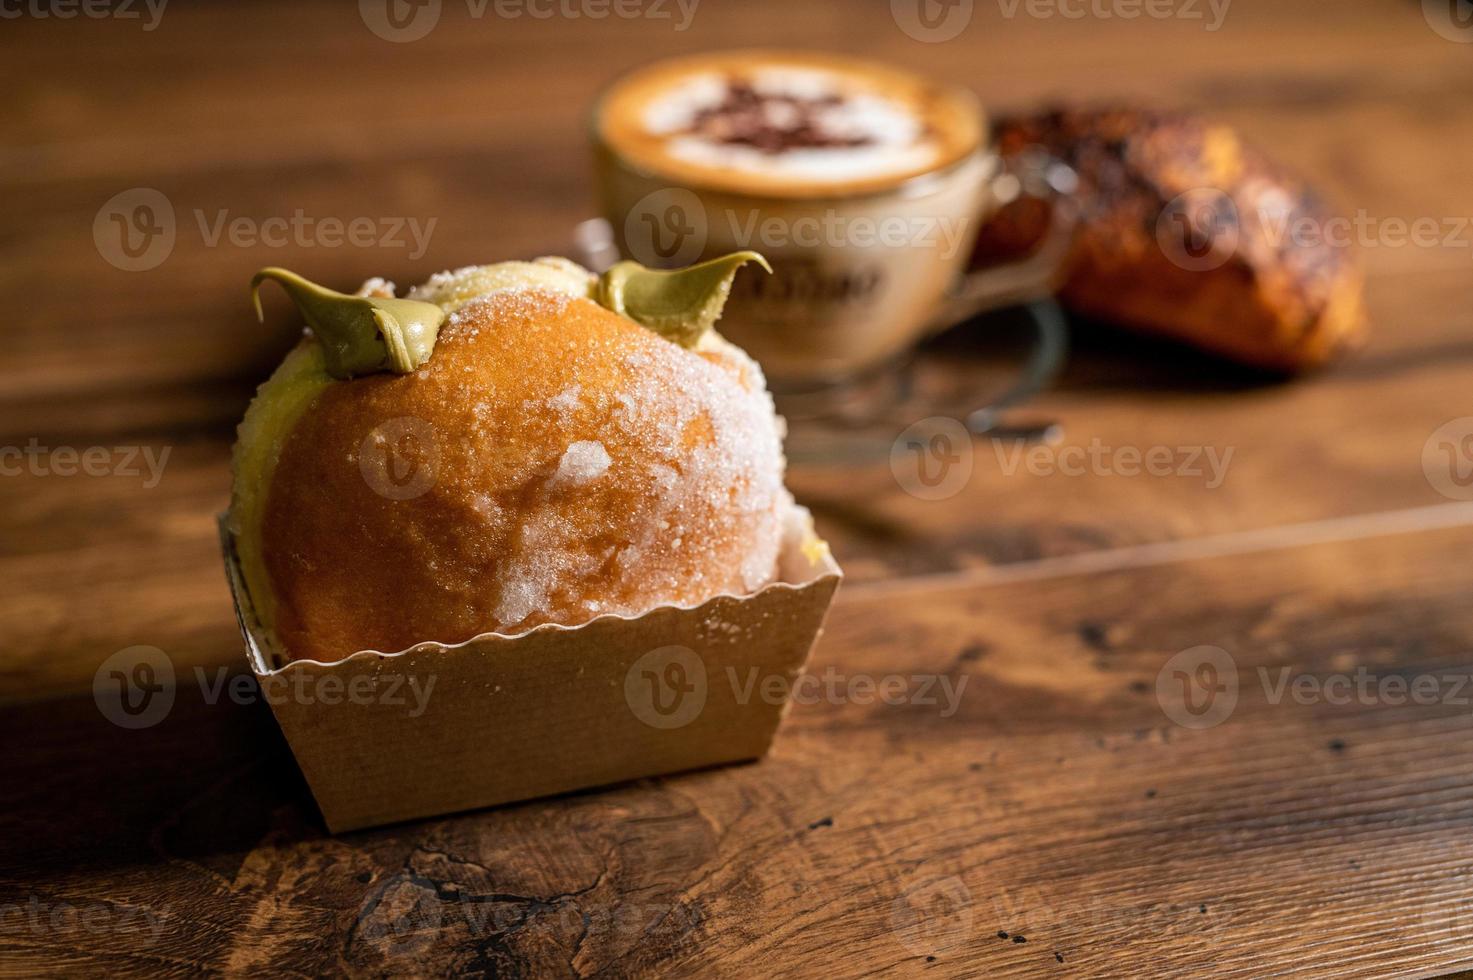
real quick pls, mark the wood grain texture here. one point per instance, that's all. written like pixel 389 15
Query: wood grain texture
pixel 1057 803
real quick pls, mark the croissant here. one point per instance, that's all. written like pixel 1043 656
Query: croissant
pixel 1188 232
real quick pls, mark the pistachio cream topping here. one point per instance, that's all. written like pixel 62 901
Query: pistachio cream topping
pixel 678 304
pixel 372 333
pixel 359 334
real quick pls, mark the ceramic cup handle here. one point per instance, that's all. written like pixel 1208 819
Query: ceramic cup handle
pixel 1036 174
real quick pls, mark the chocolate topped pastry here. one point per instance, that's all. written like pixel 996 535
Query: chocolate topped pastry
pixel 510 445
pixel 1188 232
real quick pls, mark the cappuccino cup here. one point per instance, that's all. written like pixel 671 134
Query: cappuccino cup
pixel 864 186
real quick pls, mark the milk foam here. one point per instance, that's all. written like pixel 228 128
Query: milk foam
pixel 876 136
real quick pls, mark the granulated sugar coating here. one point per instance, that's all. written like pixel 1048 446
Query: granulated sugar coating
pixel 584 461
pixel 552 462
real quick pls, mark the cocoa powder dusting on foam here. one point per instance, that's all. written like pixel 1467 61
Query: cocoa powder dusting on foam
pixel 773 122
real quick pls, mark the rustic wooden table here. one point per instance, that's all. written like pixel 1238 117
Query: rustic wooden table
pixel 1066 817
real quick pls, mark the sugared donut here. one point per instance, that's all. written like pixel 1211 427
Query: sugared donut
pixel 552 461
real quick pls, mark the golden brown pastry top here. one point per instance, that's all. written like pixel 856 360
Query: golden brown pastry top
pixel 551 462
